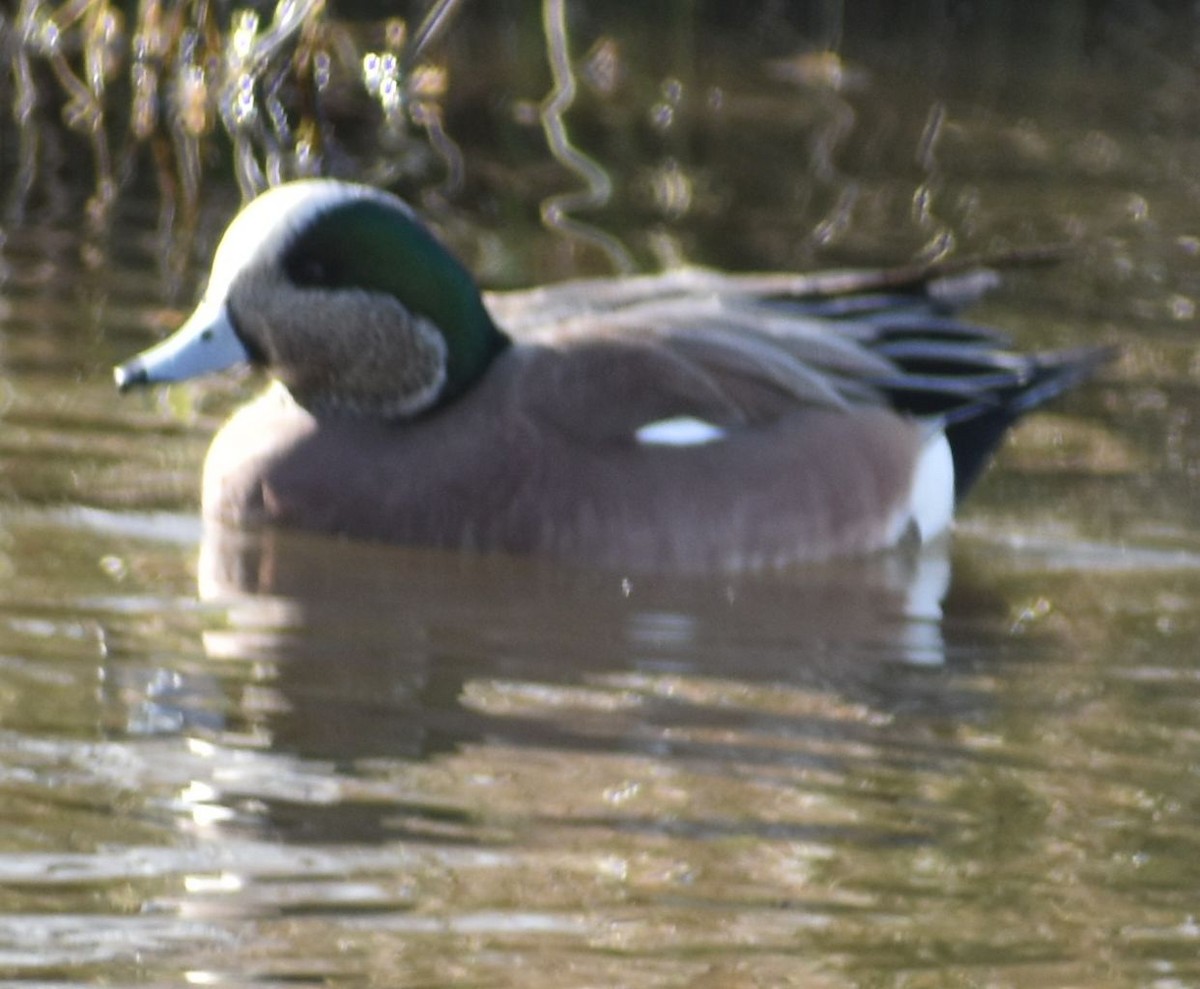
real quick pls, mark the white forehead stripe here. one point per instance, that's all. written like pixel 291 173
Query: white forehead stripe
pixel 268 221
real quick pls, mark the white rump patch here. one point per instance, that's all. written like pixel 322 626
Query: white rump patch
pixel 931 503
pixel 679 431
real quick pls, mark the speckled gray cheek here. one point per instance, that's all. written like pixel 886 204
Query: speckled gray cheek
pixel 347 350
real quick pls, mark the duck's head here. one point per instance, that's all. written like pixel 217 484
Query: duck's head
pixel 342 293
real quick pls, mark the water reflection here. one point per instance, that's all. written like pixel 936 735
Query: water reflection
pixel 420 750
pixel 368 753
pixel 353 652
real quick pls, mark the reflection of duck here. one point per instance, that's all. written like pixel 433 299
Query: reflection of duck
pixel 373 649
pixel 337 664
pixel 690 421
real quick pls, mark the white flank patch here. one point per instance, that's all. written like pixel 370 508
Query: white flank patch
pixel 931 503
pixel 679 431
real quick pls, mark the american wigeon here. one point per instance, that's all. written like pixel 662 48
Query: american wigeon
pixel 686 421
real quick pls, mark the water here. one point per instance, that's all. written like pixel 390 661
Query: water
pixel 279 760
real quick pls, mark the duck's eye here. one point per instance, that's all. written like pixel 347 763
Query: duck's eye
pixel 309 271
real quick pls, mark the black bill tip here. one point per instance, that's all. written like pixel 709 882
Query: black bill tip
pixel 130 375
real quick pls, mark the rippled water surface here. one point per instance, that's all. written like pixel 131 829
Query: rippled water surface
pixel 279 760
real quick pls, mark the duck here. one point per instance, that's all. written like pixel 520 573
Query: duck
pixel 687 421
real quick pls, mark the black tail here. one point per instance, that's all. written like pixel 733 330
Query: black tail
pixel 978 388
pixel 965 375
pixel 976 428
